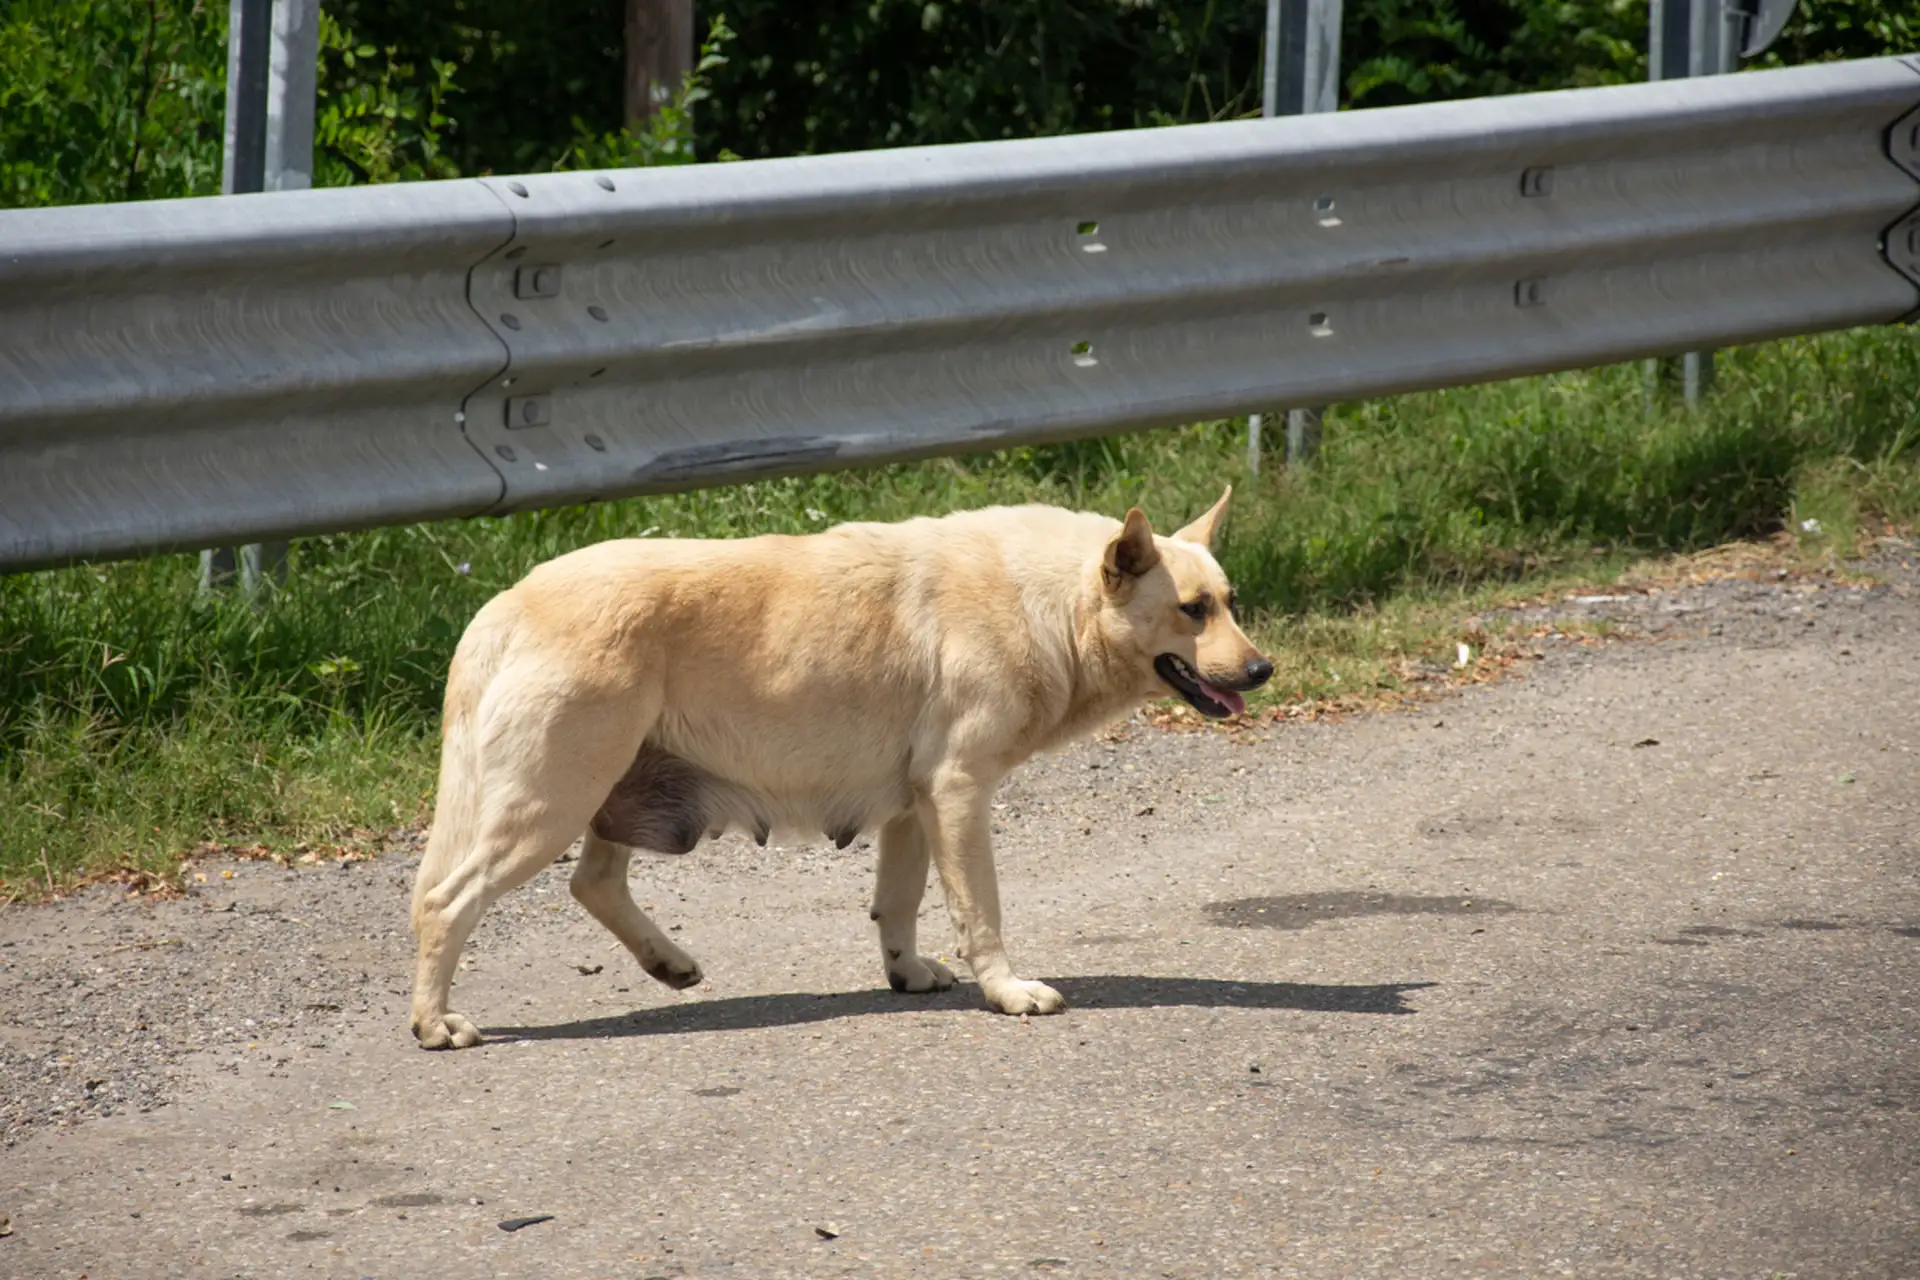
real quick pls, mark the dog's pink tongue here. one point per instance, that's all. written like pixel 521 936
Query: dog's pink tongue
pixel 1227 698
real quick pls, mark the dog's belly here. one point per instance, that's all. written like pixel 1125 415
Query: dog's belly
pixel 666 802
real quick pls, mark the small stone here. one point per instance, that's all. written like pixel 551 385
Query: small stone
pixel 828 1232
pixel 516 1224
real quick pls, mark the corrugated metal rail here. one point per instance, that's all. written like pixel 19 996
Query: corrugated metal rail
pixel 196 372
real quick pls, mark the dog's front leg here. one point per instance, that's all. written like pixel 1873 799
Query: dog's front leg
pixel 955 817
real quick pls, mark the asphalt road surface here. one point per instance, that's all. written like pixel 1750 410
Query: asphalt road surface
pixel 1604 971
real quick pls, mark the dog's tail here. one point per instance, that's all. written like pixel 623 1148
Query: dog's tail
pixel 456 806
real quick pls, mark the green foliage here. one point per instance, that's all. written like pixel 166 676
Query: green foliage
pixel 1402 51
pixel 380 114
pixel 1823 30
pixel 814 76
pixel 526 72
pixel 1475 483
pixel 106 100
pixel 109 100
pixel 817 76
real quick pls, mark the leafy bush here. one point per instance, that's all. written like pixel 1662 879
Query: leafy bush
pixel 109 100
pixel 106 100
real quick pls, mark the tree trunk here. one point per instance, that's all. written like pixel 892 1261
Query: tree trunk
pixel 659 54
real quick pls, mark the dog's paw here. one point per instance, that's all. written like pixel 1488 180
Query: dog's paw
pixel 448 1031
pixel 676 969
pixel 1017 995
pixel 918 973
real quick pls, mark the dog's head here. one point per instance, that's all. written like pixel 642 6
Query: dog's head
pixel 1169 603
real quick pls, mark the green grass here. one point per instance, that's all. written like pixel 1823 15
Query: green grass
pixel 138 720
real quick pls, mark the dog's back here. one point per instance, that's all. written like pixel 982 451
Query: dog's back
pixel 884 624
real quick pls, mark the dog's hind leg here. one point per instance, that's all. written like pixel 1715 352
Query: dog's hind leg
pixel 548 759
pixel 600 885
pixel 900 882
pixel 509 853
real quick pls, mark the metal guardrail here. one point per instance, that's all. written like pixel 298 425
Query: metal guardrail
pixel 180 374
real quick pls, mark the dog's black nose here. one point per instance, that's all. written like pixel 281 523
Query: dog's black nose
pixel 1259 671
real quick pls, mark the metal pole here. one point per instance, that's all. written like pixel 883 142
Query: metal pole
pixel 293 73
pixel 1269 100
pixel 1319 91
pixel 243 161
pixel 1696 38
pixel 1666 60
pixel 1270 70
pixel 1320 58
pixel 273 61
pixel 1703 38
pixel 249 47
pixel 1315 61
pixel 1301 76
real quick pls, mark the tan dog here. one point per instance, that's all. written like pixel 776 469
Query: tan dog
pixel 647 693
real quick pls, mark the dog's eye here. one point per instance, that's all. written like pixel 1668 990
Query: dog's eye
pixel 1195 609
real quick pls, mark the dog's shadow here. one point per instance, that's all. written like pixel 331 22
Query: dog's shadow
pixel 1107 991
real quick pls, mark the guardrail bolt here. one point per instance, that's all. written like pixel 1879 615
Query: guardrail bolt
pixel 536 282
pixel 528 411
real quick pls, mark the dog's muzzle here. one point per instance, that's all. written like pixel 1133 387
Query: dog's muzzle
pixel 1213 699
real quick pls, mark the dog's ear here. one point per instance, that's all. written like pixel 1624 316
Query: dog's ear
pixel 1131 553
pixel 1207 526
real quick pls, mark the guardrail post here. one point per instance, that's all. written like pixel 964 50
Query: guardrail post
pixel 273 68
pixel 1705 38
pixel 1300 76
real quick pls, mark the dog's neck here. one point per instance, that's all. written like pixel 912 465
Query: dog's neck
pixel 1085 679
pixel 1105 682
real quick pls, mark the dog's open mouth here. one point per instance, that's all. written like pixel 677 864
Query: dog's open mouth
pixel 1209 700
